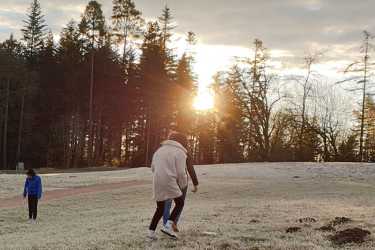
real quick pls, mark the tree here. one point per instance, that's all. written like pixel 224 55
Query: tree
pixel 71 135
pixel 184 94
pixel 230 126
pixel 254 90
pixel 12 80
pixel 93 30
pixel 347 149
pixel 92 25
pixel 127 22
pixel 34 32
pixel 156 87
pixel 13 46
pixel 360 71
pixel 167 25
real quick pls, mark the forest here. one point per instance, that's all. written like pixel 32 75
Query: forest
pixel 109 89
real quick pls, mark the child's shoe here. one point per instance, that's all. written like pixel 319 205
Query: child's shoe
pixel 175 228
pixel 151 235
pixel 167 229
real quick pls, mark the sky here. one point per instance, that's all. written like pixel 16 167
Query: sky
pixel 290 29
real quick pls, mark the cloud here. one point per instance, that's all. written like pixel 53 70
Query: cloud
pixel 291 26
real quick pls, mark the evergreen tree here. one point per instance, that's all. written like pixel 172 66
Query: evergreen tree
pixel 92 25
pixel 93 30
pixel 156 87
pixel 166 27
pixel 127 23
pixel 230 127
pixel 184 94
pixel 347 149
pixel 12 46
pixel 74 114
pixel 34 32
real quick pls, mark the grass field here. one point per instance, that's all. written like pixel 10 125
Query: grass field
pixel 238 206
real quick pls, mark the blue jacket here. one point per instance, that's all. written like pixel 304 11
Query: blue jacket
pixel 33 186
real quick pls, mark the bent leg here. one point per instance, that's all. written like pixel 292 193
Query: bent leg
pixel 178 208
pixel 157 216
pixel 184 191
pixel 167 209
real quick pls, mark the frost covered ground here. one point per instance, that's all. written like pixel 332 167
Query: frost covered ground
pixel 239 206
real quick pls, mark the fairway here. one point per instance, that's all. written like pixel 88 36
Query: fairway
pixel 238 206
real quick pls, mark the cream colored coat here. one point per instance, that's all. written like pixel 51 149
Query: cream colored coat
pixel 169 171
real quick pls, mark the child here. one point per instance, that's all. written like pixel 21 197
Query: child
pixel 33 191
pixel 169 178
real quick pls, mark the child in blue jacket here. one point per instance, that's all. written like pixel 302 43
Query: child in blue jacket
pixel 33 191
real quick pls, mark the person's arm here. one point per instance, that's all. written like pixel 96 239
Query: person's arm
pixel 25 188
pixel 191 171
pixel 40 188
pixel 180 163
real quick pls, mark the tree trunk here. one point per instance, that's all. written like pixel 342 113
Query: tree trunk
pixel 20 128
pixel 5 132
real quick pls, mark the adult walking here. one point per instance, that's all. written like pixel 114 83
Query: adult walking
pixel 169 178
pixel 193 176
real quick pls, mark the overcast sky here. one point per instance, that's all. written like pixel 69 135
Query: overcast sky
pixel 289 27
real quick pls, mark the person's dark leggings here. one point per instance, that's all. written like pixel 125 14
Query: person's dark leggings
pixel 33 206
pixel 179 204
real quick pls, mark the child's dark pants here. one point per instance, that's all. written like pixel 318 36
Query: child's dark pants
pixel 33 206
pixel 160 210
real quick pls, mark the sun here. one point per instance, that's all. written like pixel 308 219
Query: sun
pixel 204 100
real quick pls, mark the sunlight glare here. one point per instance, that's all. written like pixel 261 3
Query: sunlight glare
pixel 204 100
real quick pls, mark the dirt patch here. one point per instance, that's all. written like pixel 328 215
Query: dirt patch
pixel 307 220
pixel 293 229
pixel 326 228
pixel 227 245
pixel 351 235
pixel 339 221
pixel 250 239
pixel 254 221
pixel 17 201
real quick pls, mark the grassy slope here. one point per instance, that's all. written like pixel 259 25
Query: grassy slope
pixel 230 197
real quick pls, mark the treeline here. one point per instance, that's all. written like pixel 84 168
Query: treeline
pixel 107 92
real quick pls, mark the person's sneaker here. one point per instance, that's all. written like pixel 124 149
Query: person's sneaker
pixel 175 228
pixel 151 235
pixel 167 229
pixel 30 221
pixel 33 222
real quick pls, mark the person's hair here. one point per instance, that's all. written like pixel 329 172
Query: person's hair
pixel 30 172
pixel 180 138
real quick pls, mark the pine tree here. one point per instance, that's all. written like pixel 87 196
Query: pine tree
pixel 12 46
pixel 92 25
pixel 347 149
pixel 230 127
pixel 166 27
pixel 156 87
pixel 93 30
pixel 184 94
pixel 34 32
pixel 127 22
pixel 74 97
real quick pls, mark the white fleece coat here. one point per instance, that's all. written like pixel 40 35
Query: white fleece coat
pixel 169 171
